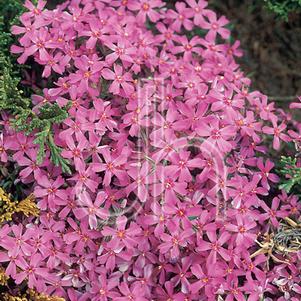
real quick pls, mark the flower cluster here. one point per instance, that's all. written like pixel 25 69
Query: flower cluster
pixel 171 156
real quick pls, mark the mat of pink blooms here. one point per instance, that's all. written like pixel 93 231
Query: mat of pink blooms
pixel 171 156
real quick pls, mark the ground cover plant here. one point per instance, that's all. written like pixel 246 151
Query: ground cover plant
pixel 142 166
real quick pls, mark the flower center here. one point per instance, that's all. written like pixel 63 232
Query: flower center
pixel 190 85
pixel 76 152
pixel 182 163
pixel 175 241
pixel 121 234
pixel 215 134
pixel 119 78
pixel 51 190
pixel 96 34
pixel 87 74
pixel 119 51
pixel 110 166
pixel 181 213
pixel 168 184
pixel 214 26
pixel 145 6
pixel 188 47
pixel 40 44
pixel 227 101
pixel 91 210
pixel 167 35
pixel 215 246
pixel 242 229
pixel 139 180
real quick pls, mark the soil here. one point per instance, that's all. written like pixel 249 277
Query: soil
pixel 272 47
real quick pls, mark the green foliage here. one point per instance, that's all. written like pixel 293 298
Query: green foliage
pixel 290 172
pixel 26 120
pixel 284 7
pixel 10 11
pixel 14 100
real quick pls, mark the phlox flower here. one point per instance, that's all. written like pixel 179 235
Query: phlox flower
pixel 102 289
pixel 171 243
pixel 218 136
pixel 146 8
pixel 134 293
pixel 89 209
pixel 216 26
pixel 180 17
pixel 111 166
pixel 119 79
pixel 215 246
pixel 122 235
pixel 32 271
pixel 276 131
pixel 244 237
pixel 50 192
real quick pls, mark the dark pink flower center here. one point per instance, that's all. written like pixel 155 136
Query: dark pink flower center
pixel 215 134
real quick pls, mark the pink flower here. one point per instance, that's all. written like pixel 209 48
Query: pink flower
pixel 188 48
pixel 217 135
pixel 192 117
pixel 34 11
pixel 122 235
pixel 134 293
pixel 140 175
pixel 244 237
pixel 40 41
pixel 146 8
pixel 216 26
pixel 49 191
pixel 102 289
pixel 180 17
pixel 32 271
pixel 75 152
pixel 199 11
pixel 296 105
pixel 112 166
pixel 121 51
pixel 157 218
pixel 265 173
pixel 3 153
pixel 56 63
pixel 174 241
pixel 119 79
pixel 81 235
pixel 88 72
pixel 205 278
pixel 215 246
pixel 90 209
pixel 14 260
pixel 167 184
pixel 276 131
pixel 85 178
pixel 96 33
pixel 272 213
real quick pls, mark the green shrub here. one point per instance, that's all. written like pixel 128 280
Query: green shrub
pixel 284 7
